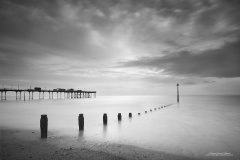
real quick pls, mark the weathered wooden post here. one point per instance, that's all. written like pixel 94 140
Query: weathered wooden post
pixel 130 115
pixel 81 122
pixel 44 125
pixel 105 118
pixel 119 116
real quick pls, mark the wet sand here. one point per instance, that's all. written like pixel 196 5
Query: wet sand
pixel 26 144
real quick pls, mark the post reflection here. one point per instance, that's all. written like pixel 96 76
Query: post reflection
pixel 104 130
pixel 81 135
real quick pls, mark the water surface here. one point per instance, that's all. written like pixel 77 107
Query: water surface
pixel 195 127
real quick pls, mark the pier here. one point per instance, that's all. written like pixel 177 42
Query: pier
pixel 28 94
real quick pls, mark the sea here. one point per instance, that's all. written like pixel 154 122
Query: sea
pixel 197 126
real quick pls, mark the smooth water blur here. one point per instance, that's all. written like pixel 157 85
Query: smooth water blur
pixel 196 126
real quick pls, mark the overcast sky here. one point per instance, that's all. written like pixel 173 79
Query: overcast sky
pixel 122 46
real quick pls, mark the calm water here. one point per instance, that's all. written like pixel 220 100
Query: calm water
pixel 195 127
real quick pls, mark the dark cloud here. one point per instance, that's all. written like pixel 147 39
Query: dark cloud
pixel 223 62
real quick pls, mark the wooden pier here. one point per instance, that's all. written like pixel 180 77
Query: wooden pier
pixel 28 94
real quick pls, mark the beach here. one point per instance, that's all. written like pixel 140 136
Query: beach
pixel 26 144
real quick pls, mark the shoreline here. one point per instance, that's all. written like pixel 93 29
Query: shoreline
pixel 27 144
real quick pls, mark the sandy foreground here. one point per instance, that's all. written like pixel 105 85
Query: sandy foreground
pixel 23 145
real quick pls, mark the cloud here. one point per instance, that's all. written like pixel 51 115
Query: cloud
pixel 70 39
pixel 222 62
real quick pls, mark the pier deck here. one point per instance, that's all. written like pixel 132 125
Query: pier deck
pixel 24 94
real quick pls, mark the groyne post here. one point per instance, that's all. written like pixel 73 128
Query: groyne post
pixel 105 118
pixel 44 125
pixel 130 115
pixel 81 122
pixel 119 116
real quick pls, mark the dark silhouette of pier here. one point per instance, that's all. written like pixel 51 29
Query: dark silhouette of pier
pixel 24 94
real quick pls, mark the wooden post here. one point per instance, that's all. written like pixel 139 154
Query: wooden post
pixel 81 122
pixel 177 93
pixel 119 116
pixel 44 126
pixel 105 118
pixel 130 115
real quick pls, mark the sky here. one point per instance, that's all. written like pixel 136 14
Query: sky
pixel 122 47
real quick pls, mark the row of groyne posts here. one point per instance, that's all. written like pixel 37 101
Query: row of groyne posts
pixel 44 120
pixel 28 94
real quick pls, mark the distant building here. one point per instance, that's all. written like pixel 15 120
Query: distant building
pixel 70 90
pixel 37 89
